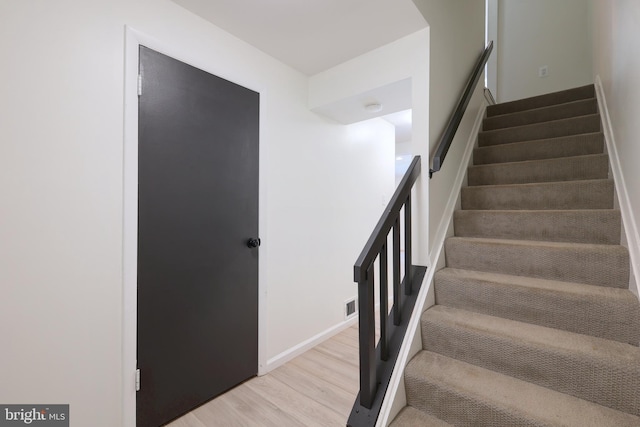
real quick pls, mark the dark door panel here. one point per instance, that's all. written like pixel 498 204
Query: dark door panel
pixel 197 208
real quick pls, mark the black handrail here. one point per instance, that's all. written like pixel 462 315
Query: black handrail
pixel 376 363
pixel 456 118
pixel 379 235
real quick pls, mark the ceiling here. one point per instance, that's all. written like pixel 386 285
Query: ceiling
pixel 390 98
pixel 312 35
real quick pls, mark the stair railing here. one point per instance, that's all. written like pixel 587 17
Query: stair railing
pixel 377 362
pixel 456 117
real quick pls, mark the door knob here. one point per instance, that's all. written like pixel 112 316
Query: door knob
pixel 253 243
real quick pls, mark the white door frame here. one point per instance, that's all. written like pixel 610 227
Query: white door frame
pixel 133 39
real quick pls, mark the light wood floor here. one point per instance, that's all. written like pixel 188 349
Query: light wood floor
pixel 317 388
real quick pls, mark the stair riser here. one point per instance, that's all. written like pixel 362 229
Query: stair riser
pixel 411 417
pixel 570 195
pixel 588 264
pixel 552 170
pixel 555 129
pixel 577 145
pixel 611 317
pixel 541 101
pixel 581 226
pixel 534 324
pixel 460 409
pixel 467 395
pixel 556 112
pixel 577 373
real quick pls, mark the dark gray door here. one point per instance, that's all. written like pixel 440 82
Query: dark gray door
pixel 197 210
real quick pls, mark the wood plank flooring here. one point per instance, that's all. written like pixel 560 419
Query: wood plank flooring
pixel 317 388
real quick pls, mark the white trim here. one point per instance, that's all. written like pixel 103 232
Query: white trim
pixel 447 215
pixel 130 229
pixel 308 344
pixel 441 233
pixel 628 219
pixel 133 39
pixel 488 96
pixel 397 376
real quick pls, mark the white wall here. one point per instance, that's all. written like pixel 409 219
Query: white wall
pixel 533 33
pixel 616 60
pixel 457 41
pixel 406 58
pixel 403 156
pixel 61 195
pixel 317 226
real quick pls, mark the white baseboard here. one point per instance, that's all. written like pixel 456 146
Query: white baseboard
pixel 297 350
pixel 628 218
pixel 388 410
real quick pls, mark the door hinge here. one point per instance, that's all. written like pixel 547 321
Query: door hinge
pixel 139 84
pixel 137 379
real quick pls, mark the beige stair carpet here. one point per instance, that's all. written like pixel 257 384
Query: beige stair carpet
pixel 534 324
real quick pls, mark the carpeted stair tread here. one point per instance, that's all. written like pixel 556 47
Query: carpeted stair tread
pixel 567 146
pixel 539 101
pixel 467 395
pixel 584 194
pixel 599 226
pixel 553 129
pixel 595 369
pixel 593 166
pixel 581 107
pixel 412 417
pixel 599 265
pixel 598 311
pixel 534 322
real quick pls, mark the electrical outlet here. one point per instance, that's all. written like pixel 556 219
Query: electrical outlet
pixel 543 71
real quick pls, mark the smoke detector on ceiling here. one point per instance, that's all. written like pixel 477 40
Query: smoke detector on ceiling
pixel 374 107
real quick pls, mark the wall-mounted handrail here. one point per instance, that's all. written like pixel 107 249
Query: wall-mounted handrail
pixel 377 362
pixel 456 117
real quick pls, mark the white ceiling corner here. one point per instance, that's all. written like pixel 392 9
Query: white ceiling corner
pixel 312 35
pixel 393 98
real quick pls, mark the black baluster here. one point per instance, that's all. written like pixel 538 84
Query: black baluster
pixel 384 303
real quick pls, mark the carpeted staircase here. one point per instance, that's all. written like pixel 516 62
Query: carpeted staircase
pixel 534 324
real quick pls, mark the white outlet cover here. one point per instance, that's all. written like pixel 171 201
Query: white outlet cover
pixel 543 71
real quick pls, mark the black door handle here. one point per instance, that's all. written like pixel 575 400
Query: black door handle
pixel 253 243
